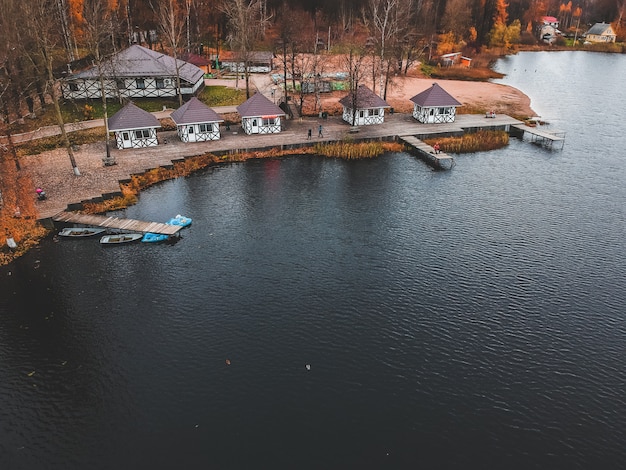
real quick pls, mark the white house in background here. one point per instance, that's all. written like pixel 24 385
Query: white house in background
pixel 600 32
pixel 136 72
pixel 434 105
pixel 370 108
pixel 258 61
pixel 196 122
pixel 134 127
pixel 260 116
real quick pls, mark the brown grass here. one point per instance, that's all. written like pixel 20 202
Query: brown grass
pixel 86 136
pixel 475 142
pixel 356 151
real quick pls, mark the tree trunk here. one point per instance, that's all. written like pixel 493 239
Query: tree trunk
pixel 59 116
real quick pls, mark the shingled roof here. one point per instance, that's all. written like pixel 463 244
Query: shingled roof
pixel 257 106
pixel 365 98
pixel 137 61
pixel 131 117
pixel 600 29
pixel 435 96
pixel 195 111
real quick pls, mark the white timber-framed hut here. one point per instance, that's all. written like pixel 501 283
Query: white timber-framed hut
pixel 370 108
pixel 258 61
pixel 260 116
pixel 134 128
pixel 196 122
pixel 434 105
pixel 135 72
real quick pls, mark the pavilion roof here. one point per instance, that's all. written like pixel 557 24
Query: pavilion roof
pixel 195 111
pixel 435 96
pixel 259 105
pixel 131 117
pixel 365 98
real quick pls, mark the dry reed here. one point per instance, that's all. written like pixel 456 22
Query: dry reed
pixel 475 142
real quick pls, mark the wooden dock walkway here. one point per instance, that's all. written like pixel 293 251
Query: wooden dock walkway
pixel 545 138
pixel 440 161
pixel 128 225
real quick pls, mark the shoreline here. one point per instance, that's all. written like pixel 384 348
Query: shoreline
pixel 51 170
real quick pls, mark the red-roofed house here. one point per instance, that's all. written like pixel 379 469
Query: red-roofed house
pixel 434 105
pixel 550 21
pixel 260 116
pixel 363 107
pixel 134 127
pixel 196 122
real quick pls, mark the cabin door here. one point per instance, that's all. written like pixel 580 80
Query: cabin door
pixel 255 126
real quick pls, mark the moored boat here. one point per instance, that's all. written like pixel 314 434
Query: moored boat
pixel 179 220
pixel 78 232
pixel 120 238
pixel 154 237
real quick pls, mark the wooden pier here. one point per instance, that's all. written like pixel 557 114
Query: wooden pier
pixel 440 161
pixel 544 138
pixel 127 225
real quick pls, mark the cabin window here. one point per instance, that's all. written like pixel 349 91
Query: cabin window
pixel 361 113
pixel 73 87
pixel 142 134
pixel 206 127
pixel 125 135
pixel 269 121
pixel 121 84
pixel 160 83
pixel 141 83
pixel 374 112
pixel 191 129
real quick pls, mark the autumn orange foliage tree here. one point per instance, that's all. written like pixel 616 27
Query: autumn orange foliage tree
pixel 18 214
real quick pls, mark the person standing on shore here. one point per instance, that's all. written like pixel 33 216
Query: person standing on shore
pixel 309 135
pixel 436 147
pixel 319 134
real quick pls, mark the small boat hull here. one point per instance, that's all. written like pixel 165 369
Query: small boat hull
pixel 154 238
pixel 80 232
pixel 179 220
pixel 120 238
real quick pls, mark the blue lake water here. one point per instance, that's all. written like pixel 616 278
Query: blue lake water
pixel 472 318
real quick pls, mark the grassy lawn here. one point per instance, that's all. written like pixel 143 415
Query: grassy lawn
pixel 222 96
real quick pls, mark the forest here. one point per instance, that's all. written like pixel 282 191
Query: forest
pixel 44 40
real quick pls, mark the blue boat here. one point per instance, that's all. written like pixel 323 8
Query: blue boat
pixel 179 220
pixel 154 237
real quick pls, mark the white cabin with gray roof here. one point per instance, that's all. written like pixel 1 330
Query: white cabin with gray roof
pixel 600 32
pixel 260 116
pixel 136 72
pixel 370 108
pixel 196 122
pixel 434 105
pixel 134 128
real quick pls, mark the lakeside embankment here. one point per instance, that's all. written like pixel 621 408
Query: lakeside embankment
pixel 52 171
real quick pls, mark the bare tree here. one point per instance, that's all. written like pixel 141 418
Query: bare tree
pixel 172 20
pixel 98 27
pixel 40 28
pixel 354 63
pixel 246 21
